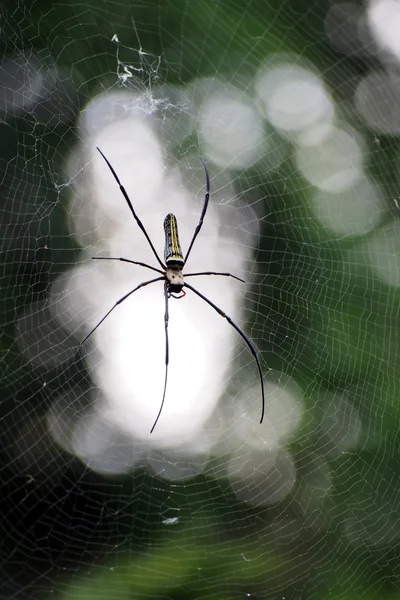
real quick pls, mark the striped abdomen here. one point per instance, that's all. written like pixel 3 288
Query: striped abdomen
pixel 172 252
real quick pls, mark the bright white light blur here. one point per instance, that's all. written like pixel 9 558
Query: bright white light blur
pixel 231 131
pixel 22 79
pixel 126 354
pixel 28 84
pixel 170 109
pixel 132 342
pixel 354 211
pixel 341 423
pixel 98 209
pixel 333 165
pixel 262 478
pixel 315 135
pixel 103 447
pixel 382 251
pixel 108 108
pixel 77 424
pixel 314 489
pixel 175 119
pixel 283 412
pixel 139 166
pixel 384 21
pixel 293 98
pixel 377 100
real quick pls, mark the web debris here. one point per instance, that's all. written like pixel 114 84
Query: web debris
pixel 149 67
pixel 143 77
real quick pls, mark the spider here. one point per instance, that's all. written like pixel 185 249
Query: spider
pixel 172 276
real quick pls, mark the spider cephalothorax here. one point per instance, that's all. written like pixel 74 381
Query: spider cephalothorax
pixel 175 280
pixel 171 273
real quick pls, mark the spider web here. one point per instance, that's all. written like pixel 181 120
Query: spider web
pixel 294 108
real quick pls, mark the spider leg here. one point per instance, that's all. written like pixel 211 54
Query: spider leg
pixel 119 302
pixel 133 262
pixel 166 319
pixel 249 343
pixel 138 221
pixel 203 212
pixel 214 273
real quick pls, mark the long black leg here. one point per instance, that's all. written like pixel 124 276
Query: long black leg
pixel 214 273
pixel 119 302
pixel 166 319
pixel 138 221
pixel 133 262
pixel 203 212
pixel 249 343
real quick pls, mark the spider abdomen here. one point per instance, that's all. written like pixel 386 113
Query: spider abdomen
pixel 172 252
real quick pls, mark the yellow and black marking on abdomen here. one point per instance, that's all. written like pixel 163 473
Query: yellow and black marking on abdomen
pixel 172 252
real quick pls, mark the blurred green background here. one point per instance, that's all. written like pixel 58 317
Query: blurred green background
pixel 324 310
